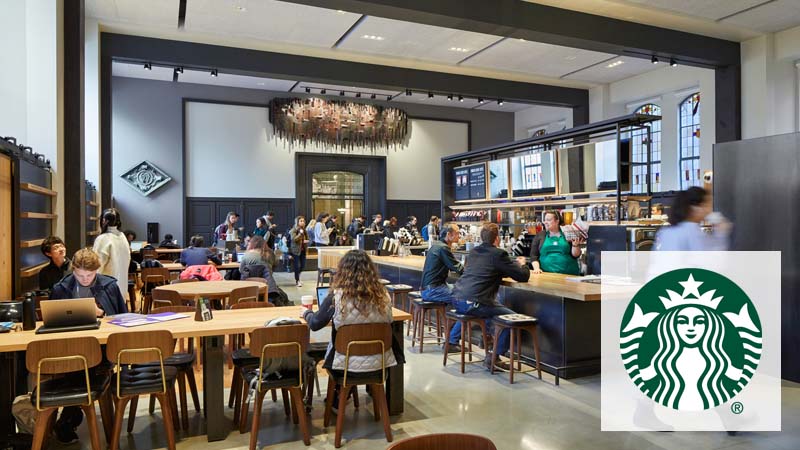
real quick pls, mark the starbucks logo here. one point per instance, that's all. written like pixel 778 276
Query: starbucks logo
pixel 690 339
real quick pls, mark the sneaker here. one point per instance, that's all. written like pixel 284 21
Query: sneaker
pixel 299 284
pixel 453 348
pixel 65 435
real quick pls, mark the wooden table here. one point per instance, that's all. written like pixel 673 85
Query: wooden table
pixel 168 250
pixel 224 323
pixel 178 267
pixel 210 289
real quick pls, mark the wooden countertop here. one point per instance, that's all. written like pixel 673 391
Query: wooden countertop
pixel 224 322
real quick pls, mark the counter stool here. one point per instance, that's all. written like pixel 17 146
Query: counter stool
pixel 421 309
pixel 325 276
pixel 399 291
pixel 413 295
pixel 451 317
pixel 384 281
pixel 516 323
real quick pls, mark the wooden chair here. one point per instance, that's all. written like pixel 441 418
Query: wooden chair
pixel 128 351
pixel 74 357
pixel 444 440
pixel 152 277
pixel 287 341
pixel 164 298
pixel 149 253
pixel 360 340
pixel 244 294
pixel 183 361
pixel 261 280
pixel 188 280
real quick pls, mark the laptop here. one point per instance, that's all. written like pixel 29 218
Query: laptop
pixel 137 245
pixel 322 292
pixel 68 315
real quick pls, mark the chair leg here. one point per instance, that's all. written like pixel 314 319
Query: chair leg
pixel 256 420
pixel 107 413
pixel 173 403
pixel 340 416
pixel 379 395
pixel 463 342
pixel 132 412
pixel 193 388
pixel 519 350
pixel 512 333
pixel 40 430
pixel 91 420
pixel 469 338
pixel 152 407
pixel 376 406
pixel 166 411
pixel 274 395
pixel 494 347
pixel 184 400
pixel 286 409
pixel 354 393
pixel 245 408
pixel 446 340
pixel 297 399
pixel 329 402
pixel 412 327
pixel 535 337
pixel 236 395
pixel 119 415
pixel 295 413
pixel 234 388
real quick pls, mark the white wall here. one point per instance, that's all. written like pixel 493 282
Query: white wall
pixel 91 88
pixel 219 138
pixel 549 117
pixel 13 79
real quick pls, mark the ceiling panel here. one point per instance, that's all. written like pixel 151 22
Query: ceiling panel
pixel 709 9
pixel 611 71
pixel 505 107
pixel 119 69
pixel 149 12
pixel 269 20
pixel 769 18
pixel 239 81
pixel 535 58
pixel 408 40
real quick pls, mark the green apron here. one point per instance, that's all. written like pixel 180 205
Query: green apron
pixel 556 256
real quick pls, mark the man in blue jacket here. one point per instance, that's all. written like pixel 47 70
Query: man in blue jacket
pixel 439 262
pixel 486 267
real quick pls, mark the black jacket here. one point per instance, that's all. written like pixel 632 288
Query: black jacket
pixel 439 261
pixel 105 291
pixel 486 266
pixel 536 245
pixel 52 274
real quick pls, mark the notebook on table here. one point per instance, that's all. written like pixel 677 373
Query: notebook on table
pixel 75 314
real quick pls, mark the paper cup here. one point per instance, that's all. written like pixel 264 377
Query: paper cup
pixel 307 301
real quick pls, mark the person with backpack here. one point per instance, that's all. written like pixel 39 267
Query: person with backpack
pixel 431 230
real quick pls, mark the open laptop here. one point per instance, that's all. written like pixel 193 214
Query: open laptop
pixel 68 315
pixel 137 245
pixel 322 292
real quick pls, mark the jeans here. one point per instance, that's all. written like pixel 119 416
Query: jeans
pixel 487 312
pixel 444 295
pixel 298 263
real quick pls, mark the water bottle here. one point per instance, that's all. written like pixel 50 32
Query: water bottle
pixel 28 312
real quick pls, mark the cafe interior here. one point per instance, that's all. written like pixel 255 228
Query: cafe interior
pixel 212 185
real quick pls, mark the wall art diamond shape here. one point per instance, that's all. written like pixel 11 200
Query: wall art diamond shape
pixel 145 178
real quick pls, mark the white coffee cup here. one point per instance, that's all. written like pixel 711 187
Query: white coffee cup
pixel 307 301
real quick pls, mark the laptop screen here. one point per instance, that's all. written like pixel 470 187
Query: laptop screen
pixel 322 292
pixel 137 245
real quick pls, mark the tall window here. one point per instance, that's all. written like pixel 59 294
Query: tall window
pixel 689 140
pixel 638 139
pixel 532 171
pixel 338 193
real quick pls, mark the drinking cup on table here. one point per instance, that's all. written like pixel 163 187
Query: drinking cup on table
pixel 307 301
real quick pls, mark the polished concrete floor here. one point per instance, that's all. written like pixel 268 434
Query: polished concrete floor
pixel 531 414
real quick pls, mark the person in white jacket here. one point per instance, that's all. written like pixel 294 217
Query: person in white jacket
pixel 321 230
pixel 113 249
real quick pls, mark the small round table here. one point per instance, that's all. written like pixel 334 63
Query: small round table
pixel 210 289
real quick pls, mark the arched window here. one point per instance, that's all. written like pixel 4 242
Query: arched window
pixel 639 152
pixel 689 140
pixel 338 193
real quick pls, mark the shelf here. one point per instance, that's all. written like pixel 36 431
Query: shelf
pixel 35 215
pixel 528 204
pixel 95 204
pixel 94 218
pixel 27 272
pixel 37 189
pixel 31 243
pixel 93 233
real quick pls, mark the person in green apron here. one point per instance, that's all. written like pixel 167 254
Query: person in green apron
pixel 551 251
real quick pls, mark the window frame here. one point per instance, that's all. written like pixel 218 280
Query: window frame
pixel 692 128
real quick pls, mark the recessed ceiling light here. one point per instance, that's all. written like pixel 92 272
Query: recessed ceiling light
pixel 571 58
pixel 340 11
pixel 500 102
pixel 240 8
pixel 459 49
pixel 615 64
pixel 372 37
pixel 261 83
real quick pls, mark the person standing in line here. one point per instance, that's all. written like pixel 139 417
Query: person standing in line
pixel 298 243
pixel 377 223
pixel 431 230
pixel 691 207
pixel 259 261
pixel 261 228
pixel 321 230
pixel 333 229
pixel 113 249
pixel 411 226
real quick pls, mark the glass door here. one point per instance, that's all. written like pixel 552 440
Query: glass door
pixel 338 193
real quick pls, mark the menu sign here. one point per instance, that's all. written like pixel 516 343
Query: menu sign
pixel 470 182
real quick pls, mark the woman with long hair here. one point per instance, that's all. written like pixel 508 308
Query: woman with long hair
pixel 113 249
pixel 227 231
pixel 298 243
pixel 356 297
pixel 321 230
pixel 259 261
pixel 689 208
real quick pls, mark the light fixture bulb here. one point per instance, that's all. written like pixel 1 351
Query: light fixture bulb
pixel 214 73
pixel 673 63
pixel 148 66
pixel 654 60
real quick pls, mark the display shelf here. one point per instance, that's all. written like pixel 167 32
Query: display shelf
pixel 36 215
pixel 30 187
pixel 31 243
pixel 32 270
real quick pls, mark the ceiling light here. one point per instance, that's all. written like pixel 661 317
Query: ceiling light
pixel 500 102
pixel 341 93
pixel 430 94
pixel 672 62
pixel 358 94
pixel 175 74
pixel 461 98
pixel 372 37
pixel 480 101
pixel 340 11
pixel 654 60
pixel 571 58
pixel 372 96
pixel 388 98
pixel 450 96
pixel 459 49
pixel 323 91
pixel 615 63
pixel 179 69
pixel 308 90
pixel 148 66
pixel 408 92
pixel 214 73
pixel 240 8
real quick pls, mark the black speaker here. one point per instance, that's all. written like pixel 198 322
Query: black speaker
pixel 152 233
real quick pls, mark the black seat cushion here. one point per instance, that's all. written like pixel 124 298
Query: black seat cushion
pixel 398 288
pixel 415 294
pixel 518 322
pixel 242 358
pixel 452 314
pixel 357 377
pixel 70 389
pixel 428 304
pixel 317 350
pixel 286 379
pixel 180 360
pixel 142 379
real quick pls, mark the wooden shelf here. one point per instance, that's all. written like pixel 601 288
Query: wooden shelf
pixel 93 233
pixel 27 272
pixel 31 243
pixel 37 189
pixel 95 204
pixel 94 218
pixel 35 215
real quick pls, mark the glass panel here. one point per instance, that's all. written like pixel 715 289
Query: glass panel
pixel 346 209
pixel 337 183
pixel 689 125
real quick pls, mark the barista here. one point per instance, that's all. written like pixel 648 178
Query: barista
pixel 551 251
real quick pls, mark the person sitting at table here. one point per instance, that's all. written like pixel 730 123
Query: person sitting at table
pixel 55 250
pixel 377 224
pixel 477 288
pixel 168 242
pixel 551 251
pixel 226 231
pixel 390 227
pixel 261 228
pixel 439 261
pixel 197 255
pixel 411 226
pixel 259 261
pixel 356 297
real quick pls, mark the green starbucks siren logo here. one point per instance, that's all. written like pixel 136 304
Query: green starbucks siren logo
pixel 694 350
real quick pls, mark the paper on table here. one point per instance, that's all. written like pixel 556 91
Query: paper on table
pixel 163 317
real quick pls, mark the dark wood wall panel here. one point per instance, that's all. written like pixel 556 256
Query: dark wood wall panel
pixel 422 209
pixel 204 214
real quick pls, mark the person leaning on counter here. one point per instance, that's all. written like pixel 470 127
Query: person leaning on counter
pixel 551 251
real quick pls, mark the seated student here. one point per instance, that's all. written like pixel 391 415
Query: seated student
pixel 439 261
pixel 486 266
pixel 55 250
pixel 197 255
pixel 168 242
pixel 259 261
pixel 84 281
pixel 356 297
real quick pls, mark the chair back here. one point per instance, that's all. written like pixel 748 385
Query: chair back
pixel 259 279
pixel 139 347
pixel 364 340
pixel 247 294
pixel 444 440
pixel 166 297
pixel 154 276
pixel 149 253
pixel 282 341
pixel 247 305
pixel 63 355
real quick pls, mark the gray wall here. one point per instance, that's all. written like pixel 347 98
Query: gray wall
pixel 146 124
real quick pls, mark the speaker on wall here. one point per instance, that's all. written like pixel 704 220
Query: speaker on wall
pixel 152 233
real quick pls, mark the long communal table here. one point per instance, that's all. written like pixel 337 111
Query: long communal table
pixel 225 322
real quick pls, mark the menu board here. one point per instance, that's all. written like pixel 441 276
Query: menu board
pixel 470 182
pixel 498 178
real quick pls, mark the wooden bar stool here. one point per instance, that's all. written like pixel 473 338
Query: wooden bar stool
pixel 516 323
pixel 421 310
pixel 444 440
pixel 399 291
pixel 413 295
pixel 384 281
pixel 466 320
pixel 325 276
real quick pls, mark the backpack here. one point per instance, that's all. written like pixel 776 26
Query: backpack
pixel 425 233
pixel 310 233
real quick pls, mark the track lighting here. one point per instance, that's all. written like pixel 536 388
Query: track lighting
pixel 179 70
pixel 341 93
pixel 323 91
pixel 308 90
pixel 408 92
pixel 673 63
pixel 500 102
pixel 461 98
pixel 450 97
pixel 148 66
pixel 373 96
pixel 480 101
pixel 358 94
pixel 175 73
pixel 388 98
pixel 654 60
pixel 214 73
pixel 430 94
